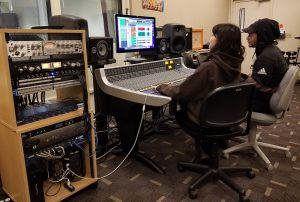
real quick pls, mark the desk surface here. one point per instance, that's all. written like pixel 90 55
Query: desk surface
pixel 135 60
pixel 200 51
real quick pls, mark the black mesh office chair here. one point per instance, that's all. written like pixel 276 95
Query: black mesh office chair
pixel 221 114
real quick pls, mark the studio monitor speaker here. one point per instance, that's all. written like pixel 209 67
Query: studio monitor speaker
pixel 162 47
pixel 188 39
pixel 70 22
pixel 176 34
pixel 9 20
pixel 100 48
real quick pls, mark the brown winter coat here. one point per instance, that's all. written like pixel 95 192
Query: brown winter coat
pixel 220 69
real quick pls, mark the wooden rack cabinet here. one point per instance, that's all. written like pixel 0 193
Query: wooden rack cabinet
pixel 12 160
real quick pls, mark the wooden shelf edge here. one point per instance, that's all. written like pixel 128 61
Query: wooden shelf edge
pixel 43 122
pixel 64 193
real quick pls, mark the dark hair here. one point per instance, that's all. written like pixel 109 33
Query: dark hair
pixel 228 39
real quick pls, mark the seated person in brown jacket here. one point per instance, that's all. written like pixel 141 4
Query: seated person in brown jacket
pixel 222 67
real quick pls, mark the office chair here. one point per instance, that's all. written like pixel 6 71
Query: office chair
pixel 221 114
pixel 279 103
pixel 201 57
pixel 188 61
pixel 291 58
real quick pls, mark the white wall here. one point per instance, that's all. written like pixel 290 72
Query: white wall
pixel 90 10
pixel 285 12
pixel 192 13
pixel 288 13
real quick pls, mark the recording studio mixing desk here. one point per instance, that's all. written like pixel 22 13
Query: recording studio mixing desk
pixel 137 82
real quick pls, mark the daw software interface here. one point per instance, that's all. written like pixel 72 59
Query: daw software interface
pixel 134 33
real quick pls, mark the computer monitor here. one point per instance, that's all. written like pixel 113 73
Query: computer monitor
pixel 134 33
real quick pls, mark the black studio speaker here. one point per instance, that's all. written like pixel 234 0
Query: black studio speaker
pixel 100 48
pixel 162 47
pixel 9 20
pixel 188 39
pixel 70 22
pixel 176 34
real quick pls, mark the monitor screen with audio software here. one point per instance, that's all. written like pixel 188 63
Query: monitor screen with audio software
pixel 134 33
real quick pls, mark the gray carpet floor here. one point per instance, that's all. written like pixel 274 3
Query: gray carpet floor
pixel 133 182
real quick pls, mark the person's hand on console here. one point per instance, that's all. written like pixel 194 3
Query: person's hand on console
pixel 160 87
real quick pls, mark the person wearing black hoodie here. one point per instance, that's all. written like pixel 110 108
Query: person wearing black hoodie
pixel 270 65
pixel 222 67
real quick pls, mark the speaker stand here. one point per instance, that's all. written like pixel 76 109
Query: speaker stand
pixel 101 119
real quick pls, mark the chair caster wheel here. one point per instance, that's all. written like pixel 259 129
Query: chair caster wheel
pixel 250 174
pixel 193 193
pixel 259 139
pixel 288 154
pixel 269 167
pixel 225 155
pixel 244 198
pixel 180 168
pixel 252 153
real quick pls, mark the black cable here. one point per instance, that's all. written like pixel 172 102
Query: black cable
pixel 19 101
pixel 43 96
pixel 33 98
pixel 29 99
pixel 37 98
pixel 48 189
pixel 25 101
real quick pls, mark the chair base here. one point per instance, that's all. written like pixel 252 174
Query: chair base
pixel 220 173
pixel 143 159
pixel 253 143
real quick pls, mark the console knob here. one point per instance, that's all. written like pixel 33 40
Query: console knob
pixel 31 68
pixel 38 68
pixel 20 70
pixel 78 64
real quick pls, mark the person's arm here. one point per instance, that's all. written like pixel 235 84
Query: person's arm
pixel 194 86
pixel 263 71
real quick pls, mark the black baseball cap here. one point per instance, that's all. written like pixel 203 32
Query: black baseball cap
pixel 267 29
pixel 250 29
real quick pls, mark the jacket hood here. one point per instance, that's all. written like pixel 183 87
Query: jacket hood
pixel 230 65
pixel 267 31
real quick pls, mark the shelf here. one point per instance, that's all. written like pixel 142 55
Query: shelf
pixel 20 171
pixel 64 193
pixel 43 122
